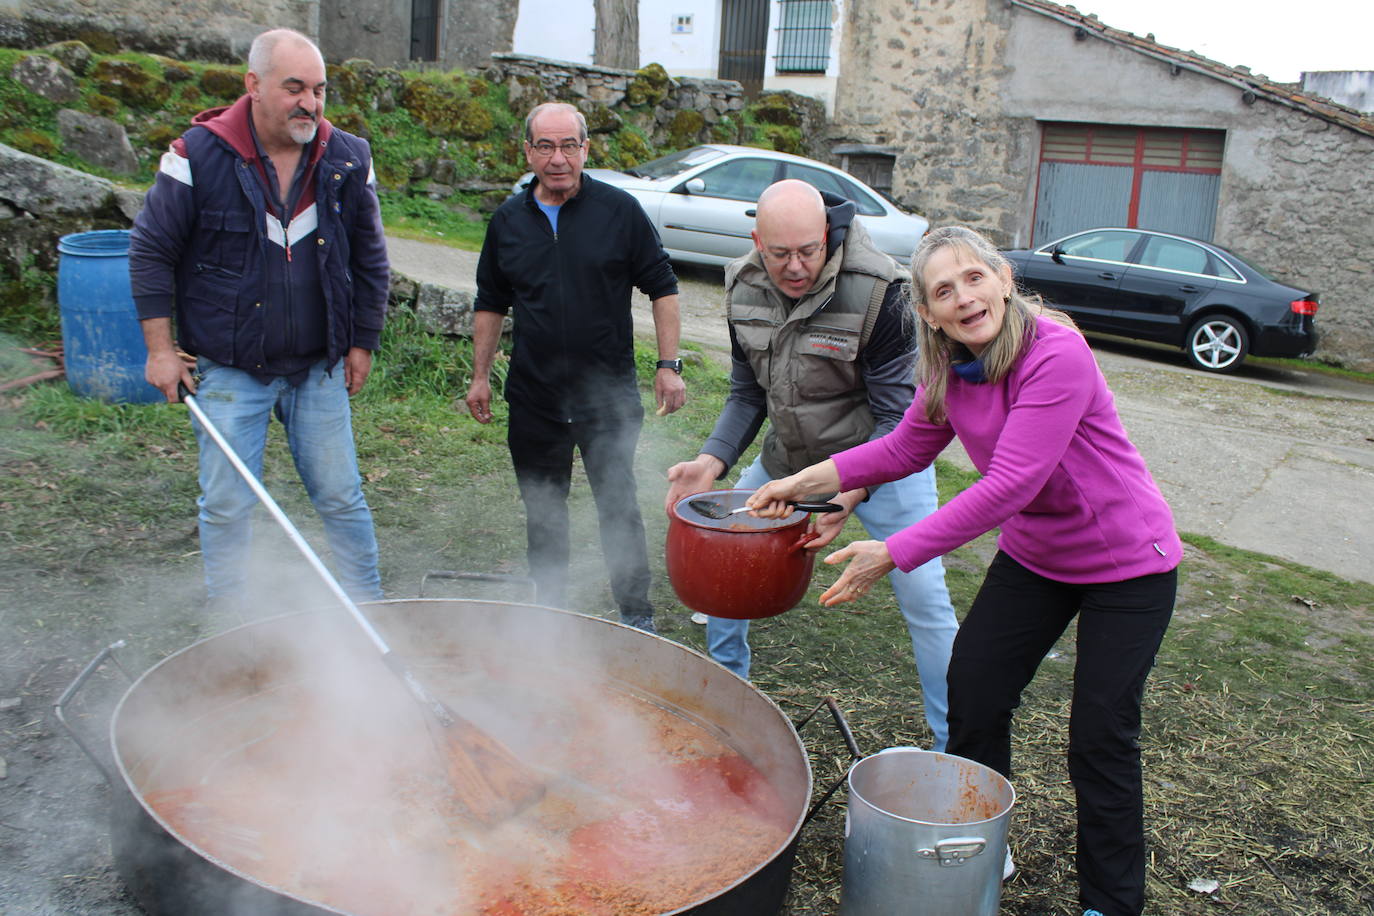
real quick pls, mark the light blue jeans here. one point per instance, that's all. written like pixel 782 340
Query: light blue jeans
pixel 319 432
pixel 921 593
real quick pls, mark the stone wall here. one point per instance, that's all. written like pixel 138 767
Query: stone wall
pixel 41 201
pixel 218 30
pixel 922 78
pixel 380 31
pixel 675 111
pixel 1298 195
pixel 684 106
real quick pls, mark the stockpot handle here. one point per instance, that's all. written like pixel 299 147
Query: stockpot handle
pixel 477 577
pixel 67 695
pixel 955 851
pixel 849 741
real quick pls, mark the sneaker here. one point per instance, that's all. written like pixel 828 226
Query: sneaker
pixel 1093 913
pixel 1009 869
pixel 643 622
pixel 699 618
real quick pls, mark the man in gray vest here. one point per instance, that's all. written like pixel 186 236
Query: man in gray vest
pixel 823 348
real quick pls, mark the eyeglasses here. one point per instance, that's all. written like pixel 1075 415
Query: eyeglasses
pixel 805 254
pixel 544 148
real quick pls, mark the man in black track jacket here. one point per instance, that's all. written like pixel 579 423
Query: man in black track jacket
pixel 565 254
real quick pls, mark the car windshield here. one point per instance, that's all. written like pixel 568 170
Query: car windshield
pixel 674 163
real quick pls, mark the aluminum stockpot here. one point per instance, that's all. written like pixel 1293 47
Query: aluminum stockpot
pixel 215 684
pixel 740 567
pixel 925 835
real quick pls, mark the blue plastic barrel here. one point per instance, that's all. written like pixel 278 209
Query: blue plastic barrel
pixel 102 341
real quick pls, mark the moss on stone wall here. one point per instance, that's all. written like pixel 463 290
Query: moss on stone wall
pixel 174 71
pixel 101 104
pixel 101 41
pixel 34 142
pixel 775 109
pixel 160 136
pixel 649 87
pixel 74 55
pixel 445 138
pixel 351 121
pixel 783 139
pixel 685 127
pixel 442 110
pixel 601 120
pixel 221 83
pixel 131 83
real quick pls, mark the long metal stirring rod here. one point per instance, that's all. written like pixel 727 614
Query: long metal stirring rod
pixel 392 661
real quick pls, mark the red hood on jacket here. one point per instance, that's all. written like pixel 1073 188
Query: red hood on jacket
pixel 230 123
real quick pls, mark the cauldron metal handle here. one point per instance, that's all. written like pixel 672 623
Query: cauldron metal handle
pixel 849 741
pixel 806 538
pixel 74 686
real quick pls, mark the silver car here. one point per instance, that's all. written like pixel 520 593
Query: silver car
pixel 702 200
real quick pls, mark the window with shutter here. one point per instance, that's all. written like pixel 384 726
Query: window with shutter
pixel 1161 178
pixel 804 36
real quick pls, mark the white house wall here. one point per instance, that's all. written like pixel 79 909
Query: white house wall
pixel 694 53
pixel 556 29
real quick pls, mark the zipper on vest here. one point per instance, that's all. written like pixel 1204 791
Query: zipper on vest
pixel 286 292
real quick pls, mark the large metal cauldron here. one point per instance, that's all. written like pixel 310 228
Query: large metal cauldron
pixel 197 691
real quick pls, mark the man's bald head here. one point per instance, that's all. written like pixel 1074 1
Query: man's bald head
pixel 789 233
pixel 788 202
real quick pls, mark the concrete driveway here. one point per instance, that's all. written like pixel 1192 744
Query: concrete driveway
pixel 1273 460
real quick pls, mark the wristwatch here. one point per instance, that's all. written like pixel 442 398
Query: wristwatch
pixel 674 364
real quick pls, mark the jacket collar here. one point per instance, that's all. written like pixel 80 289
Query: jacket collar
pixel 584 185
pixel 230 124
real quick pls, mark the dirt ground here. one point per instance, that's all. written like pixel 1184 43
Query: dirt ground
pixel 55 850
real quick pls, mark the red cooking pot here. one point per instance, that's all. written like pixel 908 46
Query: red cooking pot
pixel 739 566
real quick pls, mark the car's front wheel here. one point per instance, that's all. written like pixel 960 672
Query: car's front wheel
pixel 1217 343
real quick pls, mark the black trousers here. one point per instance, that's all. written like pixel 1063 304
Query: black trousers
pixel 1014 621
pixel 542 452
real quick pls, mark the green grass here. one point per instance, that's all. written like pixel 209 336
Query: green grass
pixel 432 220
pixel 28 305
pixel 1315 365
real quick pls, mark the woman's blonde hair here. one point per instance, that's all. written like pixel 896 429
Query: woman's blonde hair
pixel 937 351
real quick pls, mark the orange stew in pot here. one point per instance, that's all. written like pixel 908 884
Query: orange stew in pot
pixel 646 811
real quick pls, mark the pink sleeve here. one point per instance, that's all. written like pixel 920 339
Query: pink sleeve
pixel 1047 396
pixel 909 448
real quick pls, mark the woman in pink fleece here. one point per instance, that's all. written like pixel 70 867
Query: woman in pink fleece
pixel 1085 533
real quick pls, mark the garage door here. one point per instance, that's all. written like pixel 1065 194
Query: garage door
pixel 1140 177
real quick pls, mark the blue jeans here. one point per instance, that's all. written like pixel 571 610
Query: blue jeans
pixel 921 593
pixel 319 432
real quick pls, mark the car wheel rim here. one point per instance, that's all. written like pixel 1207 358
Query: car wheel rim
pixel 1216 346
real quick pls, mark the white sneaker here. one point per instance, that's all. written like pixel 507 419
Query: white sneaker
pixel 699 618
pixel 1009 868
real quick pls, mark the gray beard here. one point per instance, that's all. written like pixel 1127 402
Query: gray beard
pixel 302 131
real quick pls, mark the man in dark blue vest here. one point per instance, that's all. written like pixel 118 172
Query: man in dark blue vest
pixel 261 242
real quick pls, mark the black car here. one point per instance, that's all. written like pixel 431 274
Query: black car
pixel 1213 303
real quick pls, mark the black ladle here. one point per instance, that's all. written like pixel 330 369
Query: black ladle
pixel 712 508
